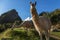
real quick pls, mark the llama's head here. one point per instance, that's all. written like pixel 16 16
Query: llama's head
pixel 32 5
pixel 32 8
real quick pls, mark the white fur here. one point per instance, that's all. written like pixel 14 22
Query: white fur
pixel 31 7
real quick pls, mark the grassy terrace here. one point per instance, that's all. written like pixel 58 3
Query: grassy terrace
pixel 56 33
pixel 21 34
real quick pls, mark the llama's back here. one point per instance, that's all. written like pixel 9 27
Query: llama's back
pixel 45 22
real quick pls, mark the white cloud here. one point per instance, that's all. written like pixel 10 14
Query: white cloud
pixel 28 19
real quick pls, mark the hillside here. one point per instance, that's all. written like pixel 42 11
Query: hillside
pixel 7 19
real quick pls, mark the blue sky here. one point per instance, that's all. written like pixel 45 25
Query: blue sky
pixel 23 6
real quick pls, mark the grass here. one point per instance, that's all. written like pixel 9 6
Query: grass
pixel 21 34
pixel 56 33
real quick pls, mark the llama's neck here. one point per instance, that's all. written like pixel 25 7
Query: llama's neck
pixel 34 13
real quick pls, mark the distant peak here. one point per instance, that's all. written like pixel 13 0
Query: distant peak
pixel 28 19
pixel 12 10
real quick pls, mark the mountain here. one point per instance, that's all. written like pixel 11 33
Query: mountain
pixel 10 17
pixel 55 16
pixel 28 19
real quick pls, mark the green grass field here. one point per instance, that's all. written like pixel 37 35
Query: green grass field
pixel 21 34
pixel 56 33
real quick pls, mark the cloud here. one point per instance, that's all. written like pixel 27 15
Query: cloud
pixel 28 19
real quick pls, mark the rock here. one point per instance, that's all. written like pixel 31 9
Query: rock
pixel 10 17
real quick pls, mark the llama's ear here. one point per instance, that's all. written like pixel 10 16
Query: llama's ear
pixel 30 2
pixel 35 2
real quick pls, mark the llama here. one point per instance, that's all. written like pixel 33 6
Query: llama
pixel 41 24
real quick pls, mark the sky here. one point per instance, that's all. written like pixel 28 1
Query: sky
pixel 23 6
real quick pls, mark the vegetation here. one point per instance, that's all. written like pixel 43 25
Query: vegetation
pixel 56 33
pixel 19 34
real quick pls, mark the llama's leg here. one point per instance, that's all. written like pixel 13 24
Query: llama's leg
pixel 46 35
pixel 40 34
